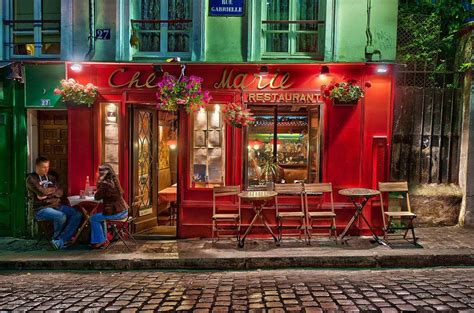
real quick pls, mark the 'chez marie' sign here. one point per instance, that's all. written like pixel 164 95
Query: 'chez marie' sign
pixel 268 88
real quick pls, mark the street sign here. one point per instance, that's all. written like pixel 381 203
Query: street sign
pixel 226 7
pixel 102 33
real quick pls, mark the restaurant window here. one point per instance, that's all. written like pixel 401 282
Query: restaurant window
pixel 33 28
pixel 292 28
pixel 283 145
pixel 208 148
pixel 162 28
pixel 110 134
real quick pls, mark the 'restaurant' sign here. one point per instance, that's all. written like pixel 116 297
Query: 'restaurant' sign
pixel 283 97
pixel 226 7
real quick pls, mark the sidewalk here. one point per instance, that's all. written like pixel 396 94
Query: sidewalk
pixel 444 246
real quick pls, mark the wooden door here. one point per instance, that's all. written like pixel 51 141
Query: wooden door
pixel 53 142
pixel 144 159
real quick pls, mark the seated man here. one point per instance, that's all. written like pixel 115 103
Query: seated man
pixel 47 204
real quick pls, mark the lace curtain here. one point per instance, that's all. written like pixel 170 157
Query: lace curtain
pixel 279 36
pixel 175 36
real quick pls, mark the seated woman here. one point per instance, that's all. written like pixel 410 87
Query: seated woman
pixel 110 192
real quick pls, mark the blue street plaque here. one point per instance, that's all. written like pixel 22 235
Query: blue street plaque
pixel 226 7
pixel 45 102
pixel 102 33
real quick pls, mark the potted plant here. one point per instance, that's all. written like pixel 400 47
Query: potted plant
pixel 270 171
pixel 74 93
pixel 344 93
pixel 237 115
pixel 185 92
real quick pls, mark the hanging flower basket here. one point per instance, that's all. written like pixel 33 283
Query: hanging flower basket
pixel 181 93
pixel 344 93
pixel 237 116
pixel 75 94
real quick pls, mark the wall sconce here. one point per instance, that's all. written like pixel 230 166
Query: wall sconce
pixel 324 70
pixel 111 111
pixel 381 69
pixel 157 69
pixel 263 70
pixel 76 67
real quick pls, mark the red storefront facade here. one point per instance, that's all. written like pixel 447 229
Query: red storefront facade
pixel 354 140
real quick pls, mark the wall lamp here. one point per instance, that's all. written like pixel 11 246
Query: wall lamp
pixel 157 68
pixel 381 69
pixel 324 70
pixel 264 70
pixel 76 67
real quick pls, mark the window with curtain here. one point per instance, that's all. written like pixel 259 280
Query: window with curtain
pixel 162 27
pixel 291 27
pixel 33 28
pixel 208 148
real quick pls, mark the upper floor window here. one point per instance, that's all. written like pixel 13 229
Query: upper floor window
pixel 291 28
pixel 162 28
pixel 33 28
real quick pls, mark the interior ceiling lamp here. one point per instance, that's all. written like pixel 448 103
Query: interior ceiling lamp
pixel 381 69
pixel 76 67
pixel 324 70
pixel 263 70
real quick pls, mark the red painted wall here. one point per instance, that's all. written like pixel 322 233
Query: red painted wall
pixel 356 139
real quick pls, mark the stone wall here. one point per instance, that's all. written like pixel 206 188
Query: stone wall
pixel 436 204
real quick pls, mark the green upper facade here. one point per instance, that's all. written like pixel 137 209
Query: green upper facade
pixel 200 30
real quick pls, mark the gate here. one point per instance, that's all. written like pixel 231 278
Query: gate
pixel 427 126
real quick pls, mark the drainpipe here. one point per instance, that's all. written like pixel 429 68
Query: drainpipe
pixel 369 49
pixel 91 44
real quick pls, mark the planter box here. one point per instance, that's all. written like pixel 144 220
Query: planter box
pixel 342 103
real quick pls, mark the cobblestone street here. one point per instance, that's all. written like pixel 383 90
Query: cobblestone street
pixel 446 289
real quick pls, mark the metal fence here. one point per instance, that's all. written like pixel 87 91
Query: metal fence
pixel 427 126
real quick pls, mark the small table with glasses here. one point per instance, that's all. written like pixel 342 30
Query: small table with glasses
pixel 354 194
pixel 79 202
pixel 258 199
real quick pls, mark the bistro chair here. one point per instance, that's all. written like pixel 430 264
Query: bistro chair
pixel 400 219
pixel 226 218
pixel 122 229
pixel 288 213
pixel 316 211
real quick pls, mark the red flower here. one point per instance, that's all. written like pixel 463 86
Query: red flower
pixel 337 85
pixel 352 81
pixel 326 93
pixel 368 84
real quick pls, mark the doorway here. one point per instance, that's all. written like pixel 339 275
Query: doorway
pixel 48 137
pixel 154 171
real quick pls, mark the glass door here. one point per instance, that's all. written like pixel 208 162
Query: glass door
pixel 283 145
pixel 144 183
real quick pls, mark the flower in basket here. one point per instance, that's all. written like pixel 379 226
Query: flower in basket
pixel 185 92
pixel 344 92
pixel 237 116
pixel 73 92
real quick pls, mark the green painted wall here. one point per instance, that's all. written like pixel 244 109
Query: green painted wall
pixel 13 155
pixel 350 26
pixel 225 38
pixel 40 81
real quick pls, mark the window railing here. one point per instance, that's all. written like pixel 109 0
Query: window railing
pixel 162 37
pixel 298 38
pixel 33 38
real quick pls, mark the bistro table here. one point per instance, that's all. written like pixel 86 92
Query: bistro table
pixel 169 194
pixel 80 203
pixel 365 194
pixel 258 199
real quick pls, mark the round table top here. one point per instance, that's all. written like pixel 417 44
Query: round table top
pixel 73 200
pixel 359 192
pixel 257 195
